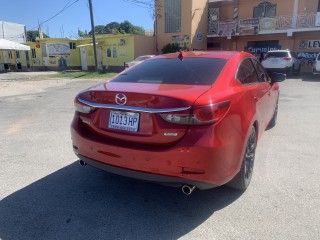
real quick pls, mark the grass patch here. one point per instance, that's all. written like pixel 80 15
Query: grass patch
pixel 84 75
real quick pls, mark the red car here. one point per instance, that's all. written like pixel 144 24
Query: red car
pixel 185 119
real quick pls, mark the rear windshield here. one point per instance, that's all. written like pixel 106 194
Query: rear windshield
pixel 276 54
pixel 189 71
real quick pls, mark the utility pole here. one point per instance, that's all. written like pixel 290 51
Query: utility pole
pixel 93 36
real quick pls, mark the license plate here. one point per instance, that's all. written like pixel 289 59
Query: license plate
pixel 127 121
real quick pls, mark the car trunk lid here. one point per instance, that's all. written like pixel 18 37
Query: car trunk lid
pixel 131 111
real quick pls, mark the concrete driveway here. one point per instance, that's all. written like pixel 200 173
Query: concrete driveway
pixel 45 194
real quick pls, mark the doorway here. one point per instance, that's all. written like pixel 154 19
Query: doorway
pixel 83 56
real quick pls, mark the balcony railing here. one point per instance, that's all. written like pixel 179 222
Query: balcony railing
pixel 261 25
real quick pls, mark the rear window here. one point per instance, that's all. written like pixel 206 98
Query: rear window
pixel 276 54
pixel 318 57
pixel 189 71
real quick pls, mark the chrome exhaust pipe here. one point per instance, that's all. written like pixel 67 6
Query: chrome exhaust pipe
pixel 187 190
pixel 82 163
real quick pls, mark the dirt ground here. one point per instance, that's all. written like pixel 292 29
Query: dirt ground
pixel 17 83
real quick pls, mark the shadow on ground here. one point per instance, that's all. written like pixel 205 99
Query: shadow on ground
pixel 85 203
pixel 311 78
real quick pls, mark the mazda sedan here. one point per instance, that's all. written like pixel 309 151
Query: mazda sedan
pixel 189 119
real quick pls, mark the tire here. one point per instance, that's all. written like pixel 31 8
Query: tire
pixel 243 178
pixel 273 120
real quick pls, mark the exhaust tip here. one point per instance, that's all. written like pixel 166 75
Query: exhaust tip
pixel 82 163
pixel 187 190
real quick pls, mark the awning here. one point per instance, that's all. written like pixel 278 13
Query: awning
pixel 9 45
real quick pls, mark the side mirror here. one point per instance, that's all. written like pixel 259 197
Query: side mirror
pixel 278 77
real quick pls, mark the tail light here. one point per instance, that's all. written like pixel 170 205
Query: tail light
pixel 287 58
pixel 81 107
pixel 199 115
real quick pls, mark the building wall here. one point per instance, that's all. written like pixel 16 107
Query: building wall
pixel 194 19
pixel 199 26
pixel 287 38
pixel 13 32
pixel 164 38
pixel 113 50
pixel 143 46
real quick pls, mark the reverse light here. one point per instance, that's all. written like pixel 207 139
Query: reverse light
pixel 287 58
pixel 81 107
pixel 203 115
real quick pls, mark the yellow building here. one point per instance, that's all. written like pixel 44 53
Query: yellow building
pixel 241 24
pixel 78 54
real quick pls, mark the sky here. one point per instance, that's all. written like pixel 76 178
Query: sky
pixel 77 16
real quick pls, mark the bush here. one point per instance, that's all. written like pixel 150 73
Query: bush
pixel 173 48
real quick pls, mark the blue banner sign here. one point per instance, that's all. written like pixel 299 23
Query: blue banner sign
pixel 263 49
pixel 307 55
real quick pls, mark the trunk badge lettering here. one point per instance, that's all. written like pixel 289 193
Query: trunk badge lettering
pixel 121 99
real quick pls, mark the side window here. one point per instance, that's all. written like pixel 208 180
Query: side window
pixel 241 75
pixel 262 75
pixel 247 73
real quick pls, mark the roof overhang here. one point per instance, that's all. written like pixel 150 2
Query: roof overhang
pixel 9 45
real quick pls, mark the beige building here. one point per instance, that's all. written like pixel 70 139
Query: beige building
pixel 241 24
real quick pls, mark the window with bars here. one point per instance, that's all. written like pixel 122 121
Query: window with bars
pixel 72 45
pixel 265 9
pixel 172 16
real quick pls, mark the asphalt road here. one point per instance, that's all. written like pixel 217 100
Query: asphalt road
pixel 45 194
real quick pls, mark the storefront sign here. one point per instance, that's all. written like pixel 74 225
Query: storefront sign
pixel 227 28
pixel 249 26
pixel 263 49
pixel 318 20
pixel 182 41
pixel 267 24
pixel 309 44
pixel 307 55
pixel 199 37
pixel 307 58
pixel 58 48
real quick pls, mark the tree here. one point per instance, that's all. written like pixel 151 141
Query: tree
pixel 83 34
pixel 99 29
pixel 173 48
pixel 32 36
pixel 114 28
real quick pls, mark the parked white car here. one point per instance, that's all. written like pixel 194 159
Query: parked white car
pixel 316 65
pixel 138 60
pixel 284 61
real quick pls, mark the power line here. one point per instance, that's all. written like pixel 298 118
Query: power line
pixel 68 5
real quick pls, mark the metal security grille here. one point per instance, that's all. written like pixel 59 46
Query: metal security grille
pixel 265 9
pixel 172 16
pixel 213 20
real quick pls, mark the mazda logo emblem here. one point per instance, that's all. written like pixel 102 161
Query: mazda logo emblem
pixel 121 99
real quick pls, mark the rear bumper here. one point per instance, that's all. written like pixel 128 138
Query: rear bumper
pixel 280 70
pixel 171 181
pixel 193 160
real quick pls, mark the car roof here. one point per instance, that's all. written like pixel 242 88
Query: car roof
pixel 202 54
